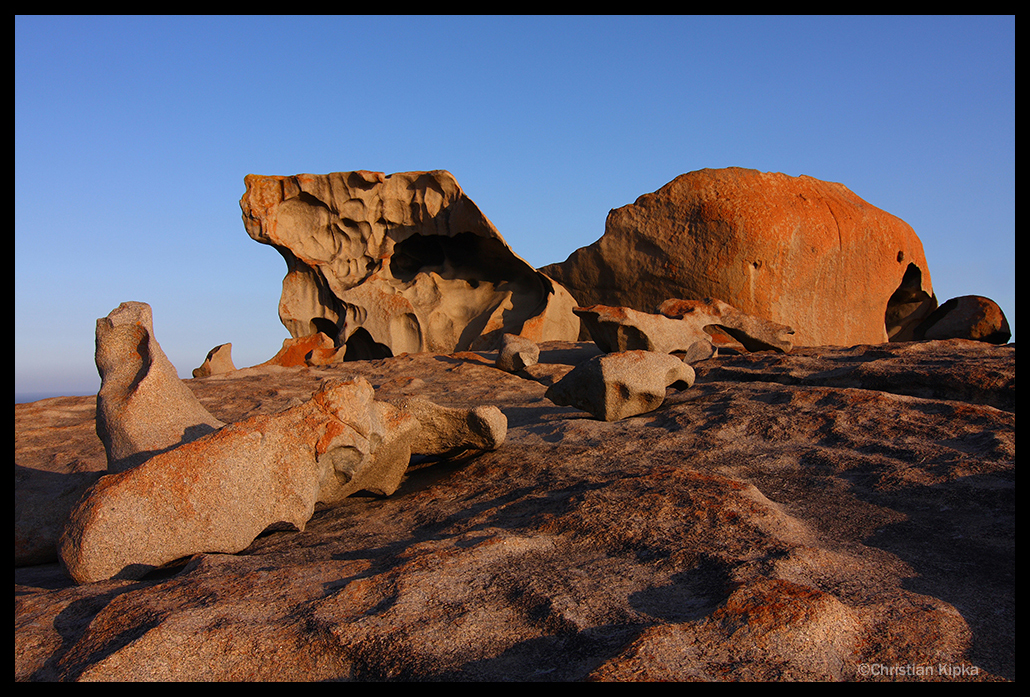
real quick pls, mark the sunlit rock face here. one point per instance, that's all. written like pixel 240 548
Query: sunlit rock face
pixel 401 263
pixel 797 251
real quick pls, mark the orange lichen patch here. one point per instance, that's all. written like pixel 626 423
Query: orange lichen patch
pixel 294 352
pixel 770 604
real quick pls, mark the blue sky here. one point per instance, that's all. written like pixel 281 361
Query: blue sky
pixel 133 135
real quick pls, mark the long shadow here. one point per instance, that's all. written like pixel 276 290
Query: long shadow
pixel 974 573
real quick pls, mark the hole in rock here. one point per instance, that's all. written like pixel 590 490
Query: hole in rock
pixel 466 255
pixel 327 327
pixel 362 347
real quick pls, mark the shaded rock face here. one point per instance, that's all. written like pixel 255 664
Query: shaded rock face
pixel 797 251
pixel 967 317
pixel 827 514
pixel 398 264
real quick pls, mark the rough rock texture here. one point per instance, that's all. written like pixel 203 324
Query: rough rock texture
pixel 618 385
pixel 143 408
pixel 967 317
pixel 451 430
pixel 715 316
pixel 693 329
pixel 840 514
pixel 218 360
pixel 398 264
pixel 314 349
pixel 516 353
pixel 218 493
pixel 794 250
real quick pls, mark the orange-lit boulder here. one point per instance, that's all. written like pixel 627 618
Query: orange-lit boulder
pixel 798 251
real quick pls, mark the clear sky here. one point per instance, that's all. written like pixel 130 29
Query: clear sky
pixel 133 135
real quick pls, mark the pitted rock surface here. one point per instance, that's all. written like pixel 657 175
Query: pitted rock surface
pixel 400 263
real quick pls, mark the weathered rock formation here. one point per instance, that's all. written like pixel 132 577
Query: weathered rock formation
pixel 797 251
pixel 398 264
pixel 715 317
pixel 824 514
pixel 143 408
pixel 516 352
pixel 618 385
pixel 967 317
pixel 218 361
pixel 218 493
pixel 313 349
pixel 451 430
pixel 693 329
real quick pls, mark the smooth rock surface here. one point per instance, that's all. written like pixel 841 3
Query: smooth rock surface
pixel 801 516
pixel 797 251
pixel 517 353
pixel 400 263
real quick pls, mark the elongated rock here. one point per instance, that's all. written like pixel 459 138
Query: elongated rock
pixel 218 493
pixel 446 430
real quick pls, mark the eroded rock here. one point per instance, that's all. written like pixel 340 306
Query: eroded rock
pixel 447 430
pixel 217 493
pixel 395 264
pixel 752 333
pixel 797 251
pixel 516 353
pixel 142 407
pixel 693 329
pixel 618 385
pixel 217 362
pixel 796 516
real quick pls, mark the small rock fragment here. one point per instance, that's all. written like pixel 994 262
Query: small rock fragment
pixel 516 353
pixel 218 361
pixel 617 385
